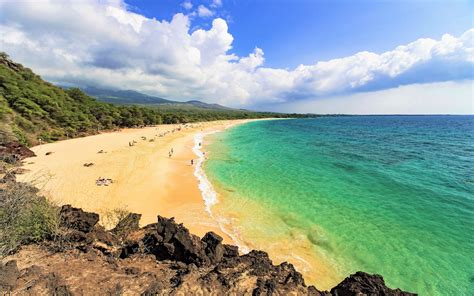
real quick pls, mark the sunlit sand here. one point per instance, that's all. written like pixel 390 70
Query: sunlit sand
pixel 128 170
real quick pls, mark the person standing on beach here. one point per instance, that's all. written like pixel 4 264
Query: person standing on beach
pixel 192 161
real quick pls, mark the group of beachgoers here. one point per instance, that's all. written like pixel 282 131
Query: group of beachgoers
pixel 107 181
pixel 160 135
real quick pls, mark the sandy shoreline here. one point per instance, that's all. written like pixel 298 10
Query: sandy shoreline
pixel 145 179
pixel 149 182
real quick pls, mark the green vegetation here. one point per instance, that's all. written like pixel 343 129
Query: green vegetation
pixel 32 109
pixel 25 217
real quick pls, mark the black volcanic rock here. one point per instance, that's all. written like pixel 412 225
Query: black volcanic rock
pixel 214 248
pixel 362 283
pixel 74 218
pixel 178 244
pixel 162 258
pixel 231 251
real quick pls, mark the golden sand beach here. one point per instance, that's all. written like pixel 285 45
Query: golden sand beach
pixel 144 178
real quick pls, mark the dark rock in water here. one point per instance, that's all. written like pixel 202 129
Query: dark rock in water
pixel 362 283
pixel 8 276
pixel 214 248
pixel 130 223
pixel 75 218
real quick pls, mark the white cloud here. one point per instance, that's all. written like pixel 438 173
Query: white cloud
pixel 101 43
pixel 216 3
pixel 187 5
pixel 203 11
pixel 430 98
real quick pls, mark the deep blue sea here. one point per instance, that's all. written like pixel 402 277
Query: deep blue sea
pixel 392 195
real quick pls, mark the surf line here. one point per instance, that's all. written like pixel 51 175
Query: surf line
pixel 209 195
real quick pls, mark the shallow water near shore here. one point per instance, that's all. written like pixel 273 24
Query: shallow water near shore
pixel 392 195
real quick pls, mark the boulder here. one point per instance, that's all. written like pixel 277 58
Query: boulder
pixel 107 237
pixel 231 251
pixel 8 276
pixel 187 247
pixel 214 248
pixel 362 283
pixel 74 218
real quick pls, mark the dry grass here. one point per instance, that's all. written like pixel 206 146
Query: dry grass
pixel 112 218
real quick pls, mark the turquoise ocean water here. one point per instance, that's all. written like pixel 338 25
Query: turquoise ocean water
pixel 392 195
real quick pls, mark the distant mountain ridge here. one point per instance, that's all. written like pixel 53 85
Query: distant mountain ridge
pixel 131 97
pixel 33 110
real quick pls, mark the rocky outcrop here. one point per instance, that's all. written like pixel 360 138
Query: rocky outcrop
pixel 77 219
pixel 362 283
pixel 162 258
pixel 214 249
pixel 12 152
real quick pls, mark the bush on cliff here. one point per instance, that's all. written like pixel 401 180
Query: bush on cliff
pixel 25 217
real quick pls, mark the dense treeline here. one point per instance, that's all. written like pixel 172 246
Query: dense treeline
pixel 33 109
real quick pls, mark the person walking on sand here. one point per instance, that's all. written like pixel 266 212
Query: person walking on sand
pixel 192 161
pixel 172 151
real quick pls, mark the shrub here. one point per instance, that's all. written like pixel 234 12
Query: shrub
pixel 25 217
pixel 112 218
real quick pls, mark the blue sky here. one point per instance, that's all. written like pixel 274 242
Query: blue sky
pixel 374 57
pixel 305 31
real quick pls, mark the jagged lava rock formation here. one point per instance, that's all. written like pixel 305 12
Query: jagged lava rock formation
pixel 163 258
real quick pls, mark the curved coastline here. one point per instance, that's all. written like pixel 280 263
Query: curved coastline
pixel 229 223
pixel 208 193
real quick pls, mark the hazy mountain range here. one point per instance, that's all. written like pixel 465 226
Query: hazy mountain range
pixel 131 97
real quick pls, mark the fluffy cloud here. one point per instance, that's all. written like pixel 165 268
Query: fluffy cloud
pixel 187 5
pixel 203 11
pixel 216 3
pixel 101 43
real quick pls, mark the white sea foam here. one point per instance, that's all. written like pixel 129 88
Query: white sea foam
pixel 209 195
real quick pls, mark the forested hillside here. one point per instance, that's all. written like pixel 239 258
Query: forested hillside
pixel 32 109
